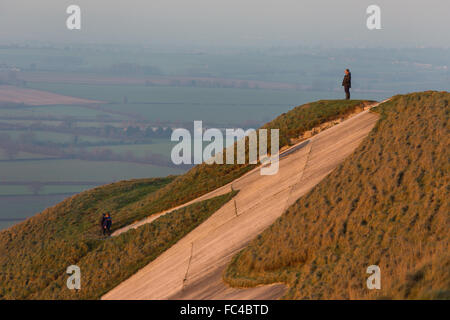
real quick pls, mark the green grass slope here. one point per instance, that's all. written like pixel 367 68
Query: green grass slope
pixel 386 205
pixel 37 251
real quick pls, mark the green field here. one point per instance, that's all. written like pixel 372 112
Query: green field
pixel 79 170
pixel 159 146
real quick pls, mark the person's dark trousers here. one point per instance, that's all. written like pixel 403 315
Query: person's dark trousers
pixel 347 93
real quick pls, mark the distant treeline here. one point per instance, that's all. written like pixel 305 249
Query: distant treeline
pixel 26 143
pixel 130 132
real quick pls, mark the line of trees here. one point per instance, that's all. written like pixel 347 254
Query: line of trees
pixel 26 143
pixel 129 132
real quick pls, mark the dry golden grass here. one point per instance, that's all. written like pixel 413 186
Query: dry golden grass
pixel 386 205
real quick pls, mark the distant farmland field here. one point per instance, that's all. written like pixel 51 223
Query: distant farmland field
pixel 79 170
pixel 162 147
pixel 35 97
pixel 220 106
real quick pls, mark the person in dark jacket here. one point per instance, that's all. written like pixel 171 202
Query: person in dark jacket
pixel 347 83
pixel 107 224
pixel 102 223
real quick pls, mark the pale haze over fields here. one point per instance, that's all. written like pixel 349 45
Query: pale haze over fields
pixel 232 22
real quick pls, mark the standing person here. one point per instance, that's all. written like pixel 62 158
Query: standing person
pixel 107 224
pixel 347 83
pixel 102 223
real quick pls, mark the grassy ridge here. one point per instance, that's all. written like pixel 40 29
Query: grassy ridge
pixel 387 205
pixel 303 118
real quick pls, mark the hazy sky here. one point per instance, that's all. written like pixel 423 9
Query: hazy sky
pixel 230 22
